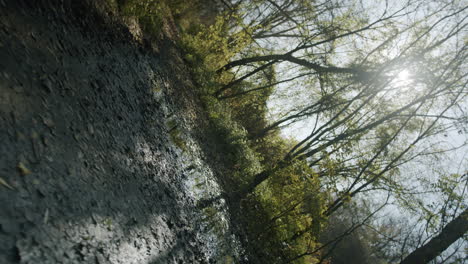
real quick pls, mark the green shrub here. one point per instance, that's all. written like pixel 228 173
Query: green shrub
pixel 208 48
pixel 285 216
pixel 149 13
pixel 232 140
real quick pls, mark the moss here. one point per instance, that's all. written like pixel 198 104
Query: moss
pixel 108 223
pixel 213 220
pixel 156 89
pixel 228 260
pixel 176 135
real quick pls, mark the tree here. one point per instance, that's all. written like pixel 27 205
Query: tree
pixel 351 102
pixel 348 237
pixel 423 214
pixel 451 232
pixel 377 89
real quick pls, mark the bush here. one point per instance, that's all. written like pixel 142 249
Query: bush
pixel 288 216
pixel 233 141
pixel 149 13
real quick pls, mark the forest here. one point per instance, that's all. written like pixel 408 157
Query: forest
pixel 341 125
pixel 345 124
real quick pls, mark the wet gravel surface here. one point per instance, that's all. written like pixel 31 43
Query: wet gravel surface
pixel 97 159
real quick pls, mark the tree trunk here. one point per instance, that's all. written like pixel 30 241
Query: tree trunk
pixel 450 233
pixel 305 63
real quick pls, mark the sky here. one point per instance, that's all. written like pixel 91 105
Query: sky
pixel 427 168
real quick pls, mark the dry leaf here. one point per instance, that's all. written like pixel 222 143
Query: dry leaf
pixel 46 216
pixel 4 183
pixel 23 170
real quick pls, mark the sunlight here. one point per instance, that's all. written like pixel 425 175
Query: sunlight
pixel 402 79
pixel 403 76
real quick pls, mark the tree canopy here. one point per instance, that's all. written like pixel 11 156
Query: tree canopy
pixel 375 88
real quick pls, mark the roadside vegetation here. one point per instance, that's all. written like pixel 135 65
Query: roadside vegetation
pixel 364 132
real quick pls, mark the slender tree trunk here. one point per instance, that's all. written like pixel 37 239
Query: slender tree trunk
pixel 450 233
pixel 231 84
pixel 288 57
pixel 263 176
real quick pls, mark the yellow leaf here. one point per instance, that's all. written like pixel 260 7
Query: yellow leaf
pixel 4 183
pixel 23 170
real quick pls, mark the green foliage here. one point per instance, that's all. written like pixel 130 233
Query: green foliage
pixel 232 140
pixel 244 100
pixel 288 213
pixel 354 248
pixel 211 217
pixel 149 13
pixel 208 48
pixel 176 135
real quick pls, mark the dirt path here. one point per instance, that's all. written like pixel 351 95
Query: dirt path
pixel 89 173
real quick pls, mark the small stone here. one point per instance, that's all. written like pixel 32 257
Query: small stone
pixel 100 259
pixel 45 141
pixel 90 129
pixel 47 85
pixel 48 122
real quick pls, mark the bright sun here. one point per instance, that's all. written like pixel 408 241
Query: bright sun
pixel 403 76
pixel 402 79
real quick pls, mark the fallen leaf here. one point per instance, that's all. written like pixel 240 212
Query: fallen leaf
pixel 4 183
pixel 23 170
pixel 46 216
